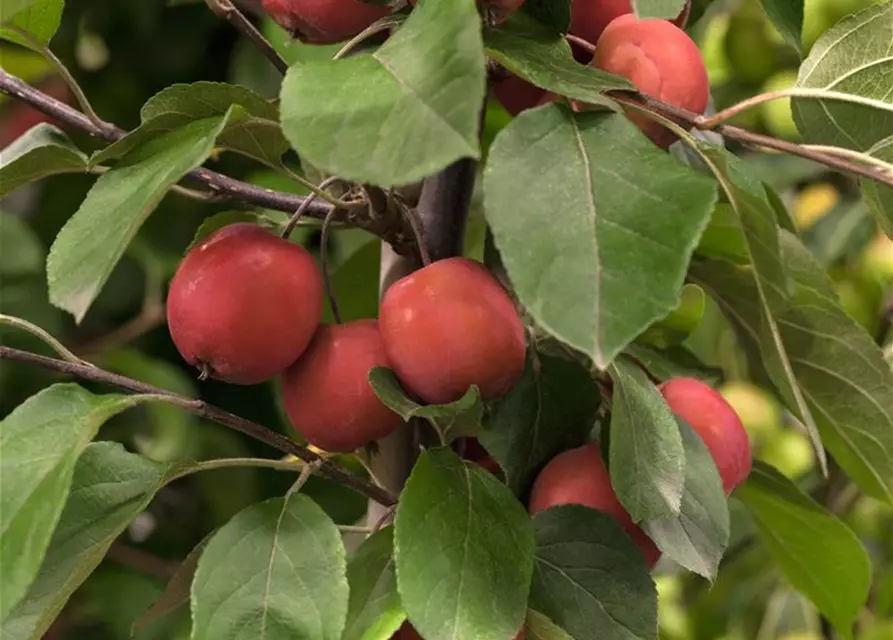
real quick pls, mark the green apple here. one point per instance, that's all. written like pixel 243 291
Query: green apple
pixel 800 635
pixel 777 113
pixel 759 411
pixel 790 453
pixel 876 262
pixel 712 45
pixel 749 45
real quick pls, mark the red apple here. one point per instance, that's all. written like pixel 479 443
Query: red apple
pixel 590 17
pixel 451 325
pixel 244 304
pixel 516 94
pixel 324 21
pixel 714 419
pixel 327 394
pixel 661 61
pixel 580 476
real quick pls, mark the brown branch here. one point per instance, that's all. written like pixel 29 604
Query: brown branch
pixel 229 12
pixel 391 228
pixel 208 412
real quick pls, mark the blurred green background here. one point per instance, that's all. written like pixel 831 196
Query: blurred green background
pixel 124 52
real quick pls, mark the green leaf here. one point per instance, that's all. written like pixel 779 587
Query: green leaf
pixel 399 114
pixel 698 537
pixel 42 151
pixel 552 13
pixel 787 16
pixel 818 554
pixel 276 570
pixel 665 9
pixel 109 489
pixel 95 237
pixel 880 197
pixel 355 283
pixel 612 267
pixel 680 322
pixel 674 362
pixel 774 285
pixel 838 366
pixel 454 420
pixel 464 551
pixel 40 442
pixel 723 238
pixel 647 461
pixel 589 578
pixel 842 233
pixel 543 57
pixel 21 253
pixel 257 136
pixel 375 611
pixel 852 57
pixel 551 409
pixel 539 627
pixel 41 19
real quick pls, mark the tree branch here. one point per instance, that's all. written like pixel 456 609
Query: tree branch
pixel 208 412
pixel 391 228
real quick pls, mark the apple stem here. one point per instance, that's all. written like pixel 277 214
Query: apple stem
pixel 324 265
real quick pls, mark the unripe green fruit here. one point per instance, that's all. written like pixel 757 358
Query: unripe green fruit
pixel 661 61
pixel 451 325
pixel 760 413
pixel 327 394
pixel 712 418
pixel 580 476
pixel 876 262
pixel 749 45
pixel 790 453
pixel 777 113
pixel 324 21
pixel 244 304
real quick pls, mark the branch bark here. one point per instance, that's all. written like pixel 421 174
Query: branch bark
pixel 209 412
pixel 391 228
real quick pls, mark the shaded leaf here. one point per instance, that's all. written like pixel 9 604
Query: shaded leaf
pixel 276 570
pixel 576 548
pixel 95 237
pixel 817 553
pixel 21 253
pixel 539 627
pixel 40 442
pixel 552 13
pixel 612 267
pixel 665 9
pixel 464 551
pixel 787 16
pixel 552 408
pixel 454 420
pixel 109 489
pixel 880 197
pixel 375 611
pixel 675 362
pixel 44 150
pixel 400 113
pixel 698 537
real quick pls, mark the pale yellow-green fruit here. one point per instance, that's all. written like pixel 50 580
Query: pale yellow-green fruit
pixel 712 45
pixel 868 516
pixel 673 618
pixel 790 453
pixel 759 411
pixel 876 262
pixel 749 46
pixel 813 202
pixel 800 635
pixel 818 17
pixel 777 113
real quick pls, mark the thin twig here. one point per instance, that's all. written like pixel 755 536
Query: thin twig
pixel 304 182
pixel 33 329
pixel 63 71
pixel 585 44
pixel 412 216
pixel 299 213
pixel 142 561
pixel 376 27
pixel 208 412
pixel 229 12
pixel 856 156
pixel 794 92
pixel 324 266
pixel 389 228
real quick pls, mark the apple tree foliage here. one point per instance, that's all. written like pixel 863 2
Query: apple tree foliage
pixel 619 253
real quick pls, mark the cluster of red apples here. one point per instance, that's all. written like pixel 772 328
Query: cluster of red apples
pixel 246 306
pixel 657 56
